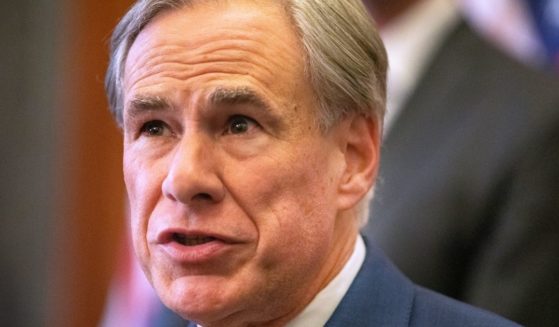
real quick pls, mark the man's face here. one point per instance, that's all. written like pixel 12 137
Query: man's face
pixel 232 188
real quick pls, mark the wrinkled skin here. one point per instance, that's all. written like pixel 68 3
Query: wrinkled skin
pixel 241 208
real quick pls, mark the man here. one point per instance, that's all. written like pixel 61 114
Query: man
pixel 251 137
pixel 469 199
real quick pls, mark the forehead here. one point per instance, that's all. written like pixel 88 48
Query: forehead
pixel 199 15
pixel 242 41
pixel 210 26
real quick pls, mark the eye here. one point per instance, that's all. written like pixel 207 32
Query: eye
pixel 239 124
pixel 153 128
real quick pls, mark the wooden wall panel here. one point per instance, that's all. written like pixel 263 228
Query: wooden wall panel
pixel 89 192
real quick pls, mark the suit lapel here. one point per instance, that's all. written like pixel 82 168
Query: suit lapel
pixel 379 296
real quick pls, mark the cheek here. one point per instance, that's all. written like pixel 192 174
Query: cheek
pixel 295 237
pixel 295 205
pixel 143 179
pixel 136 185
pixel 143 185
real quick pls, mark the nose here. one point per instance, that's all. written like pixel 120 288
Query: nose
pixel 192 177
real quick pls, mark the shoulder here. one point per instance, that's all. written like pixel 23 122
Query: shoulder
pixel 433 310
pixel 381 296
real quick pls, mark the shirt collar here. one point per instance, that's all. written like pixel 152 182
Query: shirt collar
pixel 325 302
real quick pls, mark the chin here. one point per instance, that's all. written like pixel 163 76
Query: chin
pixel 196 300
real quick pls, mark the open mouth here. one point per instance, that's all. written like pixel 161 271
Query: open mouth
pixel 191 240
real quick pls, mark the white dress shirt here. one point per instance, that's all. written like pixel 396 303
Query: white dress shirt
pixel 326 301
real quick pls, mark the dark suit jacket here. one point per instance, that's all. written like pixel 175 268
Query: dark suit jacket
pixel 468 198
pixel 381 296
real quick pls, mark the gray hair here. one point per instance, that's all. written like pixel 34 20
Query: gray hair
pixel 346 62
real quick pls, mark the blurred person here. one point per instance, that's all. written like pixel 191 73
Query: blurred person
pixel 250 143
pixel 509 25
pixel 468 196
pixel 526 29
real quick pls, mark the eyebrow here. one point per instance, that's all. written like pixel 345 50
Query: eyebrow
pixel 145 103
pixel 220 96
pixel 238 95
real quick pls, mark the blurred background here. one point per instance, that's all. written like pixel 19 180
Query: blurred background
pixel 62 234
pixel 62 197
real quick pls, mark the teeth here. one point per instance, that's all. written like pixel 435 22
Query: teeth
pixel 191 241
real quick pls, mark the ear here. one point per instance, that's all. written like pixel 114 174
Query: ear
pixel 362 140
